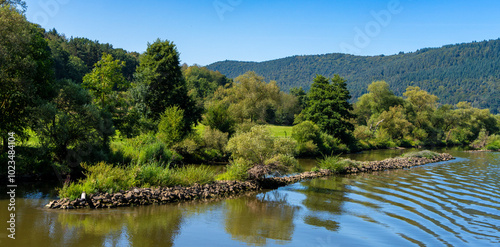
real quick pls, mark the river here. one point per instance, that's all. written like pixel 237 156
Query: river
pixel 453 203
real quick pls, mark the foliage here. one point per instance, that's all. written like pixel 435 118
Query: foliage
pixel 336 164
pixel 189 175
pixel 454 73
pixel 26 77
pixel 218 117
pixel 105 77
pixel 421 154
pixel 103 177
pixel 141 150
pixel 71 127
pixel 171 127
pixel 328 107
pixel 201 82
pixel 493 143
pixel 378 99
pixel 235 171
pixel 215 139
pixel 249 97
pixel 258 147
pixel 164 86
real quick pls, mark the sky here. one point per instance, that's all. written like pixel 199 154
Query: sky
pixel 207 31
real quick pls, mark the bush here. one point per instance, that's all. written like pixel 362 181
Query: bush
pixel 170 128
pixel 284 163
pixel 308 148
pixel 493 142
pixel 421 154
pixel 142 149
pixel 245 126
pixel 215 139
pixel 336 164
pixel 154 174
pixel 101 177
pixel 104 177
pixel 305 132
pixel 255 146
pixel 189 175
pixel 219 118
pixel 236 170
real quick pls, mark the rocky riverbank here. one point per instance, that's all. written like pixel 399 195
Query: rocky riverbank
pixel 220 189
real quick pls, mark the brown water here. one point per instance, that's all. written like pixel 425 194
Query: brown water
pixel 455 203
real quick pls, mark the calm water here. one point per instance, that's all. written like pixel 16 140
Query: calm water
pixel 454 203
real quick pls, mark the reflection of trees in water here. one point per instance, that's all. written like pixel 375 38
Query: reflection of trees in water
pixel 324 198
pixel 142 226
pixel 253 220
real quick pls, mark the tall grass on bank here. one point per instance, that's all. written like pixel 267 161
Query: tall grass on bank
pixel 336 164
pixel 421 154
pixel 142 149
pixel 104 177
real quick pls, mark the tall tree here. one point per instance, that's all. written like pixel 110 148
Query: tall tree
pixel 250 97
pixel 329 107
pixel 160 72
pixel 378 99
pixel 20 5
pixel 26 74
pixel 106 76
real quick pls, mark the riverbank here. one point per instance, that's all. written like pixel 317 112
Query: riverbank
pixel 221 189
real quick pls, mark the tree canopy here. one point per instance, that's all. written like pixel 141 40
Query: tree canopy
pixel 328 106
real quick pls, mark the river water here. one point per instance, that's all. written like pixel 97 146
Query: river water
pixel 454 203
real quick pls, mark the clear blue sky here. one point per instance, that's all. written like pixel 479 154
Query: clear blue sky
pixel 207 31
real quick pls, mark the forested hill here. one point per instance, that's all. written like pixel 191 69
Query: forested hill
pixel 462 72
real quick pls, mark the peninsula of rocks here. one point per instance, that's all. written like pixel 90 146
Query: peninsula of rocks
pixel 222 189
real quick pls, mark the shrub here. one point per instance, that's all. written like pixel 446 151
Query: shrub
pixel 336 164
pixel 142 149
pixel 284 163
pixel 154 174
pixel 215 139
pixel 255 146
pixel 236 170
pixel 308 148
pixel 421 154
pixel 189 175
pixel 101 177
pixel 305 131
pixel 170 128
pixel 493 142
pixel 218 117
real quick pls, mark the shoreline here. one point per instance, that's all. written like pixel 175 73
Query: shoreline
pixel 222 189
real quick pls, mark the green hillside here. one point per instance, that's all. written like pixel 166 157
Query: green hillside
pixel 462 72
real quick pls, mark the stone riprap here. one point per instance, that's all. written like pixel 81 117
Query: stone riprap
pixel 221 189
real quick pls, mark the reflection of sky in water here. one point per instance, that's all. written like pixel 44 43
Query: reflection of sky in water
pixel 451 203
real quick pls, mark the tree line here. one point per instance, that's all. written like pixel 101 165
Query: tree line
pixel 454 73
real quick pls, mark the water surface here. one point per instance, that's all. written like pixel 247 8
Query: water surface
pixel 454 203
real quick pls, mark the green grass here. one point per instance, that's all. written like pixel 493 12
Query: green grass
pixel 104 177
pixel 280 131
pixel 276 131
pixel 421 154
pixel 335 164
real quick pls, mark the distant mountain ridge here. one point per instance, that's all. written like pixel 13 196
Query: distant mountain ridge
pixel 462 72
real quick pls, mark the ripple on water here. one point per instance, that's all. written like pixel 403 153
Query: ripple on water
pixel 452 204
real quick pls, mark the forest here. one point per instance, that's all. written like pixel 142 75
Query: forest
pixel 123 119
pixel 454 73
